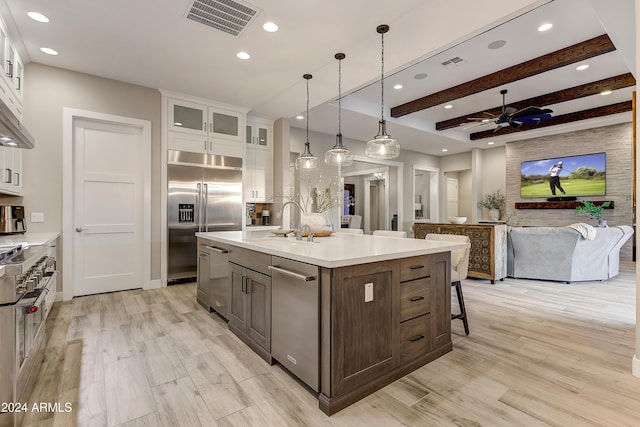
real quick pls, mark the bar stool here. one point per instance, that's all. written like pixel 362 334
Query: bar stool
pixel 459 270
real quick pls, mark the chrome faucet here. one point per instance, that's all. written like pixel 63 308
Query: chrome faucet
pixel 305 229
pixel 284 205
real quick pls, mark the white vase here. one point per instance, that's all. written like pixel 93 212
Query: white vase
pixel 494 214
pixel 602 223
pixel 314 220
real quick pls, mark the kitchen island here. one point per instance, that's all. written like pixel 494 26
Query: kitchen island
pixel 347 314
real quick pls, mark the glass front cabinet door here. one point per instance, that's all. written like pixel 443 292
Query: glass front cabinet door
pixel 187 117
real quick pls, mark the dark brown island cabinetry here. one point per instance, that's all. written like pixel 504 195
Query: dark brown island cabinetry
pixel 369 344
pixel 250 299
pixel 346 330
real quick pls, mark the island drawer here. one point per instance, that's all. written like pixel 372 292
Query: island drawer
pixel 253 260
pixel 415 338
pixel 415 267
pixel 415 298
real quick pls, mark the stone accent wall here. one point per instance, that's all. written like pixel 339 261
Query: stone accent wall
pixel 615 140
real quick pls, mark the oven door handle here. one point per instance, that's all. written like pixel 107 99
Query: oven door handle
pixel 29 303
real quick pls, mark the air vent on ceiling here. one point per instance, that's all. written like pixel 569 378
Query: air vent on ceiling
pixel 225 15
pixel 454 61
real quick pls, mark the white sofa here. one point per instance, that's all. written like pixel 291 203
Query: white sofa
pixel 562 254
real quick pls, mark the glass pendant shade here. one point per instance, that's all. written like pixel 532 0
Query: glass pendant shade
pixel 306 160
pixel 339 154
pixel 382 146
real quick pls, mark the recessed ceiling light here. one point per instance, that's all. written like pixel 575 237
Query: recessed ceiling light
pixel 448 106
pixel 490 143
pixel 398 87
pixel 243 55
pixel 496 44
pixel 300 117
pixel 270 27
pixel 49 51
pixel 12 144
pixel 582 67
pixel 37 17
pixel 5 138
pixel 605 92
pixel 420 76
pixel 444 150
pixel 177 124
pixel 545 27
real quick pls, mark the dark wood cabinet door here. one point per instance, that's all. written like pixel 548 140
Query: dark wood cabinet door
pixel 440 299
pixel 258 294
pixel 365 332
pixel 237 305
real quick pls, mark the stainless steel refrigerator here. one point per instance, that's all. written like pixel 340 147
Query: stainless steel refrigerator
pixel 204 194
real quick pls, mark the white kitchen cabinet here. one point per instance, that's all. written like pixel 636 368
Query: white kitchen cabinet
pixel 11 75
pixel 258 175
pixel 11 173
pixel 202 144
pixel 215 122
pixel 259 132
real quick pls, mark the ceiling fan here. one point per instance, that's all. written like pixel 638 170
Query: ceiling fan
pixel 511 116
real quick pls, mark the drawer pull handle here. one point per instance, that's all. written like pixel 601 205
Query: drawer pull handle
pixel 414 299
pixel 416 267
pixel 416 338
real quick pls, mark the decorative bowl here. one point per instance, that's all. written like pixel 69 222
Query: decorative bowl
pixel 457 219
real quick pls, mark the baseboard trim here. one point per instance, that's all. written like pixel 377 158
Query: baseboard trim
pixel 635 366
pixel 155 284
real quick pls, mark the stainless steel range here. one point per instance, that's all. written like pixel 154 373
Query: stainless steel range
pixel 27 276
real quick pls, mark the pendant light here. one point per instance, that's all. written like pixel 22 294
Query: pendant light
pixel 339 154
pixel 382 146
pixel 306 160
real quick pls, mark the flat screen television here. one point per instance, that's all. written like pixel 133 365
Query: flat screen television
pixel 583 175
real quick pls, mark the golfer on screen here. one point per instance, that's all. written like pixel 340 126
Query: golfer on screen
pixel 554 180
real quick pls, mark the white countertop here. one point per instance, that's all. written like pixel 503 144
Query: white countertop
pixel 337 250
pixel 31 239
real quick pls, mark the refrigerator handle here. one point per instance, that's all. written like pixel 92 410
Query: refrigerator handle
pixel 205 223
pixel 198 197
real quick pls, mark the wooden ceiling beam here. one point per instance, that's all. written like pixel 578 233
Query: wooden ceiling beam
pixel 569 55
pixel 576 92
pixel 592 113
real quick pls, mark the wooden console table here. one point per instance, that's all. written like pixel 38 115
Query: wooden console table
pixel 488 255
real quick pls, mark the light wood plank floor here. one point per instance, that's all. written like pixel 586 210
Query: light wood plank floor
pixel 539 353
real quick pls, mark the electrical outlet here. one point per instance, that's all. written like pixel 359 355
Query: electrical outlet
pixel 368 292
pixel 37 216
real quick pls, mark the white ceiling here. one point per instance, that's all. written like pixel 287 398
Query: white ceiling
pixel 150 43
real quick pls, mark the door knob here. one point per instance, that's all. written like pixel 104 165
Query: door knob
pixel 79 229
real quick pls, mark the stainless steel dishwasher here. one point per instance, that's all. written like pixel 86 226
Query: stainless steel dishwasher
pixel 294 318
pixel 219 277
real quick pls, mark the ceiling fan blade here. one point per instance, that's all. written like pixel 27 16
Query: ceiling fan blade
pixel 480 119
pixel 510 110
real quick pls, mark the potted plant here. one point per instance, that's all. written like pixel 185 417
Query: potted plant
pixel 593 211
pixel 495 203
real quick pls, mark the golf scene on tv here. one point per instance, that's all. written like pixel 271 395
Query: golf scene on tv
pixel 582 175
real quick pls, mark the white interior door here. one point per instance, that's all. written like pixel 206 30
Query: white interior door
pixel 452 197
pixel 108 206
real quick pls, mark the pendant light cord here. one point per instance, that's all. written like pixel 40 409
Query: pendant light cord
pixel 340 96
pixel 382 80
pixel 307 143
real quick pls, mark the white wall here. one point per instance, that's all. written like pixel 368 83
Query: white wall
pixel 47 91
